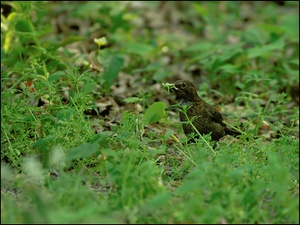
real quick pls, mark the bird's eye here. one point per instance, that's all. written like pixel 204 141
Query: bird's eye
pixel 183 85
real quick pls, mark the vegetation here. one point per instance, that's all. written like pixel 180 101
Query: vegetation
pixel 89 135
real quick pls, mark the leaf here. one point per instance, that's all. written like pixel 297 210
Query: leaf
pixel 228 68
pixel 7 41
pixel 24 26
pixel 149 67
pixel 158 201
pixel 267 49
pixel 187 187
pixel 201 10
pixel 290 23
pixel 89 86
pixel 112 66
pixel 87 9
pixel 154 113
pixel 159 75
pixel 294 61
pixel 253 35
pixel 70 39
pixel 42 142
pixel 83 151
pixel 65 114
pixel 228 52
pixel 203 46
pixel 102 138
pixel 272 28
pixel 132 100
pixel 138 48
pixel 56 76
pixel 277 45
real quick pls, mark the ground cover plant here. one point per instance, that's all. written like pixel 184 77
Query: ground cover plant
pixel 90 133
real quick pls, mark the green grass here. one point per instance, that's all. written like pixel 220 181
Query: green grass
pixel 60 163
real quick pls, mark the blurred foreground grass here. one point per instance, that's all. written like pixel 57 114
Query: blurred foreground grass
pixel 60 164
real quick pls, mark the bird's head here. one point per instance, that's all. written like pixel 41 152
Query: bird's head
pixel 185 91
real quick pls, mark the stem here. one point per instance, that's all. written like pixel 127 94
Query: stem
pixel 183 153
pixel 242 132
pixel 190 122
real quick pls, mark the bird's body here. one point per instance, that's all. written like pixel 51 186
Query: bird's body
pixel 203 116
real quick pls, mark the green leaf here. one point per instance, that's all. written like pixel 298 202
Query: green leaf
pixel 42 142
pixel 56 76
pixel 277 45
pixel 154 113
pixel 199 47
pixel 201 10
pixel 187 187
pixel 83 151
pixel 228 68
pixel 272 28
pixel 159 75
pixel 294 61
pixel 65 114
pixel 89 86
pixel 102 138
pixel 132 100
pixel 69 40
pixel 290 24
pixel 158 201
pixel 264 50
pixel 253 35
pixel 149 67
pixel 112 66
pixel 229 52
pixel 138 48
pixel 24 26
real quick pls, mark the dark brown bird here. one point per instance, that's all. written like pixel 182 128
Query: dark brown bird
pixel 203 116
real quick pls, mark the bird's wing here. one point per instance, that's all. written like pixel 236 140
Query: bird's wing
pixel 214 114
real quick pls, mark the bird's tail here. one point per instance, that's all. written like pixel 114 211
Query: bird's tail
pixel 231 132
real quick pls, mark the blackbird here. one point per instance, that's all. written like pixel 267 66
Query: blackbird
pixel 203 116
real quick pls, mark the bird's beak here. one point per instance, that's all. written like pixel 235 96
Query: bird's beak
pixel 172 86
pixel 169 87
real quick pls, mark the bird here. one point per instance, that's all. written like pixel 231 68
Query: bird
pixel 205 118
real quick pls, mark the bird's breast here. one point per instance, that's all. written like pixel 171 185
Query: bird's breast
pixel 183 102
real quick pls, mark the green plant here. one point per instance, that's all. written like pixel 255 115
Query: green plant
pixel 63 160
